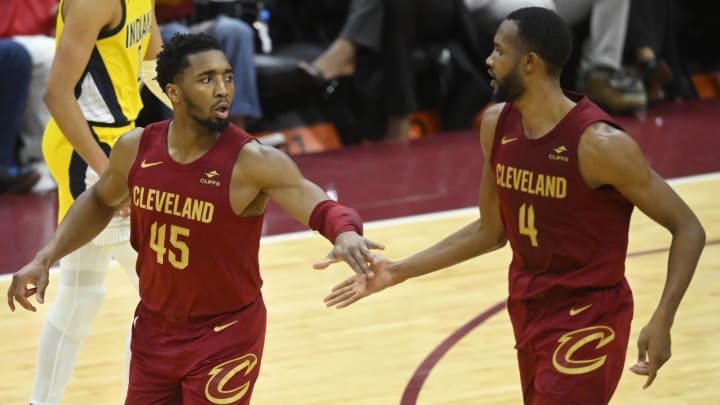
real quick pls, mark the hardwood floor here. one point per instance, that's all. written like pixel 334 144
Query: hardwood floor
pixel 375 352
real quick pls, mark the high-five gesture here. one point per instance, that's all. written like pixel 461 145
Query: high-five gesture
pixel 354 249
pixel 360 285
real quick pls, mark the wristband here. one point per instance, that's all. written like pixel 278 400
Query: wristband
pixel 331 219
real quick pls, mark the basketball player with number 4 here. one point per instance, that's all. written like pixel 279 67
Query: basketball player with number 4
pixel 559 183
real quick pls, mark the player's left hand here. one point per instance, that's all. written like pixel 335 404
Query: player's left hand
pixel 353 249
pixel 653 351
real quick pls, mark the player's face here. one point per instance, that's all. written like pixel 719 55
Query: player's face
pixel 208 89
pixel 504 64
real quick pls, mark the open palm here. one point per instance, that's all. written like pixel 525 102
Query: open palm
pixel 359 286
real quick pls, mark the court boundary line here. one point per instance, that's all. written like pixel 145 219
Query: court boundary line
pixel 382 223
pixel 430 216
pixel 422 372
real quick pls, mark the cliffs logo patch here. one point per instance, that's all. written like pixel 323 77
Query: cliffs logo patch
pixel 211 178
pixel 559 154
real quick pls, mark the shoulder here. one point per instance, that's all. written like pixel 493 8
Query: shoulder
pixel 255 153
pixel 128 143
pixel 124 153
pixel 492 113
pixel 601 138
pixel 606 154
pixel 488 124
pixel 264 163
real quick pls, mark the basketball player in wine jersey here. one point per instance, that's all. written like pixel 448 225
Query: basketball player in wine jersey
pixel 559 183
pixel 198 188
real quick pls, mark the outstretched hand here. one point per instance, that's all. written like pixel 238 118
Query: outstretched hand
pixel 653 351
pixel 360 286
pixel 353 249
pixel 26 282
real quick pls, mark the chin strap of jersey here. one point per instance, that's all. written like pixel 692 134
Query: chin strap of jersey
pixel 331 219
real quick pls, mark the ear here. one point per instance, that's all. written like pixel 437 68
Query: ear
pixel 530 61
pixel 173 93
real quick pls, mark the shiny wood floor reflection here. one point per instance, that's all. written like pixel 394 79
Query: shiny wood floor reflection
pixel 367 354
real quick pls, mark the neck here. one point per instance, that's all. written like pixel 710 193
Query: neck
pixel 542 106
pixel 188 140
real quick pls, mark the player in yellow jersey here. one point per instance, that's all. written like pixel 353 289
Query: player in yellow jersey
pixel 93 95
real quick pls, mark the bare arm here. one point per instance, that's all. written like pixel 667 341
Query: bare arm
pixel 269 171
pixel 609 156
pixel 272 172
pixel 481 236
pixel 72 55
pixel 89 215
pixel 155 44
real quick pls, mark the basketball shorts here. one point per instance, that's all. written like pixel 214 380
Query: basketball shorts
pixel 571 347
pixel 66 166
pixel 215 360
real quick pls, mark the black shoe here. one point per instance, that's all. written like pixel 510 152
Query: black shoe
pixel 15 180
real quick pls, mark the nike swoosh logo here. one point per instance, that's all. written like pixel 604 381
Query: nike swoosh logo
pixel 575 311
pixel 144 164
pixel 220 328
pixel 505 140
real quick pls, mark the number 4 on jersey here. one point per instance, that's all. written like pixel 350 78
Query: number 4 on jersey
pixel 526 220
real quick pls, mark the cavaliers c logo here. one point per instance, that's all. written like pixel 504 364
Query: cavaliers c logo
pixel 571 342
pixel 216 390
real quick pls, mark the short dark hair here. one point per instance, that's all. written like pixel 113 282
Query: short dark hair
pixel 173 58
pixel 543 31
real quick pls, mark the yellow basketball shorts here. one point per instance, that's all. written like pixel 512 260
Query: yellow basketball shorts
pixel 67 167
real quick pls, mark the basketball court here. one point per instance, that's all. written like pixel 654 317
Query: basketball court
pixel 441 339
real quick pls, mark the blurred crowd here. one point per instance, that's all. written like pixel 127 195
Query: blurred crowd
pixel 365 66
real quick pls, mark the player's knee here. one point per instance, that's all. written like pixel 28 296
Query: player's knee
pixel 75 309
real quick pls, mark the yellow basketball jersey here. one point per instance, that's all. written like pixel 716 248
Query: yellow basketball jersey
pixel 108 92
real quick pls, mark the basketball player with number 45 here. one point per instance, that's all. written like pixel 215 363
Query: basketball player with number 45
pixel 559 183
pixel 197 187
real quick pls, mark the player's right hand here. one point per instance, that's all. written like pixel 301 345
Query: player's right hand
pixel 359 286
pixel 26 282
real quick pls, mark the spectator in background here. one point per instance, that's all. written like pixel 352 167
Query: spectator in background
pixel 31 23
pixel 376 49
pixel 329 50
pixel 650 22
pixel 361 31
pixel 446 26
pixel 15 69
pixel 237 39
pixel 600 73
pixel 652 46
